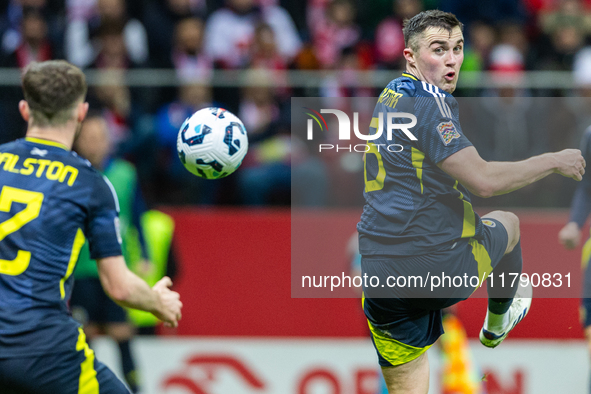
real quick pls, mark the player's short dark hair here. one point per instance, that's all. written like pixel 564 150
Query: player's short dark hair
pixel 414 26
pixel 52 89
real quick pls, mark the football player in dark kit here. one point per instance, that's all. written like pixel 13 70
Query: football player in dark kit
pixel 418 220
pixel 51 201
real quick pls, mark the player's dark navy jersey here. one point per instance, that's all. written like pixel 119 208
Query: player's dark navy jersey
pixel 412 206
pixel 51 200
pixel 581 205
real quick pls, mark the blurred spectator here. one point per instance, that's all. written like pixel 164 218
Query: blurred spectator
pixel 171 182
pixel 488 11
pixel 389 40
pixel 161 18
pixel 112 52
pixel 333 28
pixel 264 55
pixel 265 175
pixel 35 44
pixel 568 13
pixel 187 55
pixel 82 46
pixel 231 47
pixel 564 32
pixel 346 82
pixel 481 38
pixel 125 116
pixel 10 21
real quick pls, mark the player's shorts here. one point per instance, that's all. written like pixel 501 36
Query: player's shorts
pixel 406 320
pixel 90 303
pixel 74 372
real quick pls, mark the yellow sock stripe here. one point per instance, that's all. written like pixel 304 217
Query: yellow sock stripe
pixel 395 352
pixel 417 163
pixel 469 227
pixel 482 259
pixel 87 384
pixel 78 243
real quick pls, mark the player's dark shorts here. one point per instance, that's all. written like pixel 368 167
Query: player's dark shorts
pixel 90 303
pixel 586 296
pixel 73 372
pixel 406 320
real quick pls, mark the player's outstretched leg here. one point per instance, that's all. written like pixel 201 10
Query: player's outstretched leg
pixel 507 305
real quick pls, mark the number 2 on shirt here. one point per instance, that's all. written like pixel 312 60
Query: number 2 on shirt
pixel 33 201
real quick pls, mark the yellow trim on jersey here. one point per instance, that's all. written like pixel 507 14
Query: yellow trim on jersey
pixel 78 243
pixel 87 383
pixel 378 183
pixel 469 227
pixel 46 142
pixel 395 352
pixel 389 98
pixel 482 259
pixel 375 122
pixel 410 76
pixel 417 163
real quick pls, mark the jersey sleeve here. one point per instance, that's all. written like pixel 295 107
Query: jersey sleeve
pixel 438 128
pixel 103 231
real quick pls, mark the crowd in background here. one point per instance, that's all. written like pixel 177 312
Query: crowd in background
pixel 265 38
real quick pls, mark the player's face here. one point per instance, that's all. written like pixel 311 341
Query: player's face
pixel 440 57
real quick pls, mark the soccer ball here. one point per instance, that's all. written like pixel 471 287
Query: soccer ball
pixel 212 143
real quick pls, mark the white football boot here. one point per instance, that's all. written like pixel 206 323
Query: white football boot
pixel 517 311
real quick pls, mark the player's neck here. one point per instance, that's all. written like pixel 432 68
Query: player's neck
pixel 63 135
pixel 409 69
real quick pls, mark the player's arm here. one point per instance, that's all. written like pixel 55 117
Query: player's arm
pixel 487 179
pixel 129 290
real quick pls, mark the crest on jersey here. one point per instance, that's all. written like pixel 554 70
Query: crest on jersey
pixel 447 131
pixel 489 223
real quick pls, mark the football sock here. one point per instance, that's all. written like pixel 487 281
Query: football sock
pixel 500 291
pixel 128 366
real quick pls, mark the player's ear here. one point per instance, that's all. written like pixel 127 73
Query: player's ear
pixel 23 108
pixel 81 111
pixel 409 55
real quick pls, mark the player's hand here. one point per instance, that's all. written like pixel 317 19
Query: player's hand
pixel 570 163
pixel 570 235
pixel 170 303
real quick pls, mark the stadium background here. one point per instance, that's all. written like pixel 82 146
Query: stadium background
pixel 152 63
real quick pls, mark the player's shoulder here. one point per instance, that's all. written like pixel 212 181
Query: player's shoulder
pixel 403 86
pixel 8 146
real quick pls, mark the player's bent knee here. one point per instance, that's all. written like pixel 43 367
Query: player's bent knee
pixel 511 223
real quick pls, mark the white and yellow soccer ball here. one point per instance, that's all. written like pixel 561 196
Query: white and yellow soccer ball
pixel 212 143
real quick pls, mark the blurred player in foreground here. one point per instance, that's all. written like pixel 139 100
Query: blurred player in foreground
pixel 51 201
pixel 570 237
pixel 89 303
pixel 418 219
